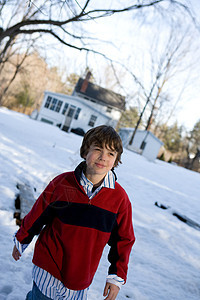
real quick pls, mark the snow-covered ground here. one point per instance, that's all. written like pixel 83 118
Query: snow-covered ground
pixel 165 261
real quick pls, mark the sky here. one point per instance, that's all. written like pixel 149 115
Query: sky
pixel 164 263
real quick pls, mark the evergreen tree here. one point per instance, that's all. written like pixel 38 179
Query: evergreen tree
pixel 195 148
pixel 195 135
pixel 171 137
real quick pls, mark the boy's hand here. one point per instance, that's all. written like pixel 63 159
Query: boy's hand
pixel 16 255
pixel 111 291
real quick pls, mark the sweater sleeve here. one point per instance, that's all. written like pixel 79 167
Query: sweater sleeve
pixel 40 215
pixel 121 241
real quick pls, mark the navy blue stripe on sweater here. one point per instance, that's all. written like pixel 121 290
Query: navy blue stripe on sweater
pixel 75 214
pixel 85 215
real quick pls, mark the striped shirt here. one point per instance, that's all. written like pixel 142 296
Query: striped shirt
pixel 54 288
pixel 48 284
pixel 108 182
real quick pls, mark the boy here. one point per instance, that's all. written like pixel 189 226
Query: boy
pixel 76 216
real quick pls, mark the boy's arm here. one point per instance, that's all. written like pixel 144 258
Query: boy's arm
pixel 121 241
pixel 40 215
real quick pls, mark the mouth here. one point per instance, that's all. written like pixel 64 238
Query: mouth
pixel 99 165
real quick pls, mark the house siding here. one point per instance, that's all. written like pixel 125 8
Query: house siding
pixel 49 114
pixel 150 142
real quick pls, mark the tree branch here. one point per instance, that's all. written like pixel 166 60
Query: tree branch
pixel 62 41
pixel 77 18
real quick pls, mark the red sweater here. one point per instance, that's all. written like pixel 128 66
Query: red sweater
pixel 74 230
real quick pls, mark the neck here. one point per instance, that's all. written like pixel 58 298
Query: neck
pixel 95 179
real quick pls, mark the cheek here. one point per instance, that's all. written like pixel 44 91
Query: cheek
pixel 112 162
pixel 90 157
pixel 115 162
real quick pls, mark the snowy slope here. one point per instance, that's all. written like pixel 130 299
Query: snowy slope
pixel 165 261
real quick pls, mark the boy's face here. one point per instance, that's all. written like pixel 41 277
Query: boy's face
pixel 99 161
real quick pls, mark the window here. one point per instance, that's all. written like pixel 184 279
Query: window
pixel 58 106
pixel 92 121
pixel 143 145
pixel 48 102
pixel 46 121
pixel 53 104
pixel 65 108
pixel 77 113
pixel 109 109
pixel 71 111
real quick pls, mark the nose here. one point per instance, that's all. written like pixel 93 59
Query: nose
pixel 102 156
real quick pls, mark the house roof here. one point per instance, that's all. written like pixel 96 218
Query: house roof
pixel 100 95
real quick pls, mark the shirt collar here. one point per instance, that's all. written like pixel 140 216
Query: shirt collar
pixel 108 182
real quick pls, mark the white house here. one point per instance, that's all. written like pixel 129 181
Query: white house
pixel 88 106
pixel 144 142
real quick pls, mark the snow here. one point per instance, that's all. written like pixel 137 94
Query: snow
pixel 165 260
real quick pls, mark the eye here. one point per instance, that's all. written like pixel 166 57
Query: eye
pixel 97 149
pixel 111 154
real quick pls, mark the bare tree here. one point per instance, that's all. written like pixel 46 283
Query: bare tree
pixel 169 66
pixel 166 68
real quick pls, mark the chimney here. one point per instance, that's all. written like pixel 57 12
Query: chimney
pixel 85 82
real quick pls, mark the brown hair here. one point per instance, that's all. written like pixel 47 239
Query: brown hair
pixel 100 136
